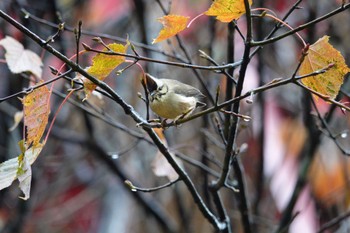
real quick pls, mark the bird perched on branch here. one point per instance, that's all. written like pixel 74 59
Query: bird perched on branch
pixel 172 99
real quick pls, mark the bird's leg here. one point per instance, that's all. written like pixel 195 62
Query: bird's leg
pixel 163 123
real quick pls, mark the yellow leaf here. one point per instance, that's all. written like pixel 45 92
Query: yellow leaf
pixel 36 107
pixel 173 24
pixel 320 55
pixel 103 65
pixel 227 10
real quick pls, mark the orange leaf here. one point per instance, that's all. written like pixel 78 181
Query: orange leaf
pixel 227 10
pixel 36 114
pixel 161 135
pixel 320 55
pixel 173 24
pixel 327 176
pixel 103 65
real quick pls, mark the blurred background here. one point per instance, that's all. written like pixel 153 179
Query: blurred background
pixel 78 179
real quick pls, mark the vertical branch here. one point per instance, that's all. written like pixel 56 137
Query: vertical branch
pixel 222 212
pixel 140 13
pixel 204 143
pixel 77 33
pixel 229 82
pixel 260 104
pixel 243 203
pixel 229 88
pixel 232 135
pixel 204 160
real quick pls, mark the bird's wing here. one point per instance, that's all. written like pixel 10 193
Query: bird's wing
pixel 186 90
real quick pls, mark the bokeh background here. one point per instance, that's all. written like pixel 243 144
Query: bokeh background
pixel 78 179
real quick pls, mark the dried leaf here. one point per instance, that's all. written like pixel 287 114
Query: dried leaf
pixel 24 173
pixel 36 107
pixel 103 65
pixel 33 152
pixel 320 55
pixel 161 167
pixel 8 172
pixel 227 10
pixel 20 168
pixel 19 59
pixel 173 24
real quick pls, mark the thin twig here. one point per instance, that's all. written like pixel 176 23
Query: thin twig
pixel 95 34
pixel 32 88
pixel 178 64
pixel 197 164
pixel 330 133
pixel 334 222
pixel 301 27
pixel 148 190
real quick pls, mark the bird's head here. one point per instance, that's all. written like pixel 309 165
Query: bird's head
pixel 156 87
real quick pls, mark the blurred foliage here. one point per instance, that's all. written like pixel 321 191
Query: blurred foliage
pixel 78 179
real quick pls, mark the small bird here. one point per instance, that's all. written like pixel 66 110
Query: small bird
pixel 172 99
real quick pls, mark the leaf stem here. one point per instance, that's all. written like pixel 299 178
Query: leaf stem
pixel 195 18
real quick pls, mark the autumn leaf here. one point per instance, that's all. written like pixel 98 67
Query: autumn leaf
pixel 227 10
pixel 19 59
pixel 103 65
pixel 320 55
pixel 8 172
pixel 20 168
pixel 36 107
pixel 24 175
pixel 327 178
pixel 173 24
